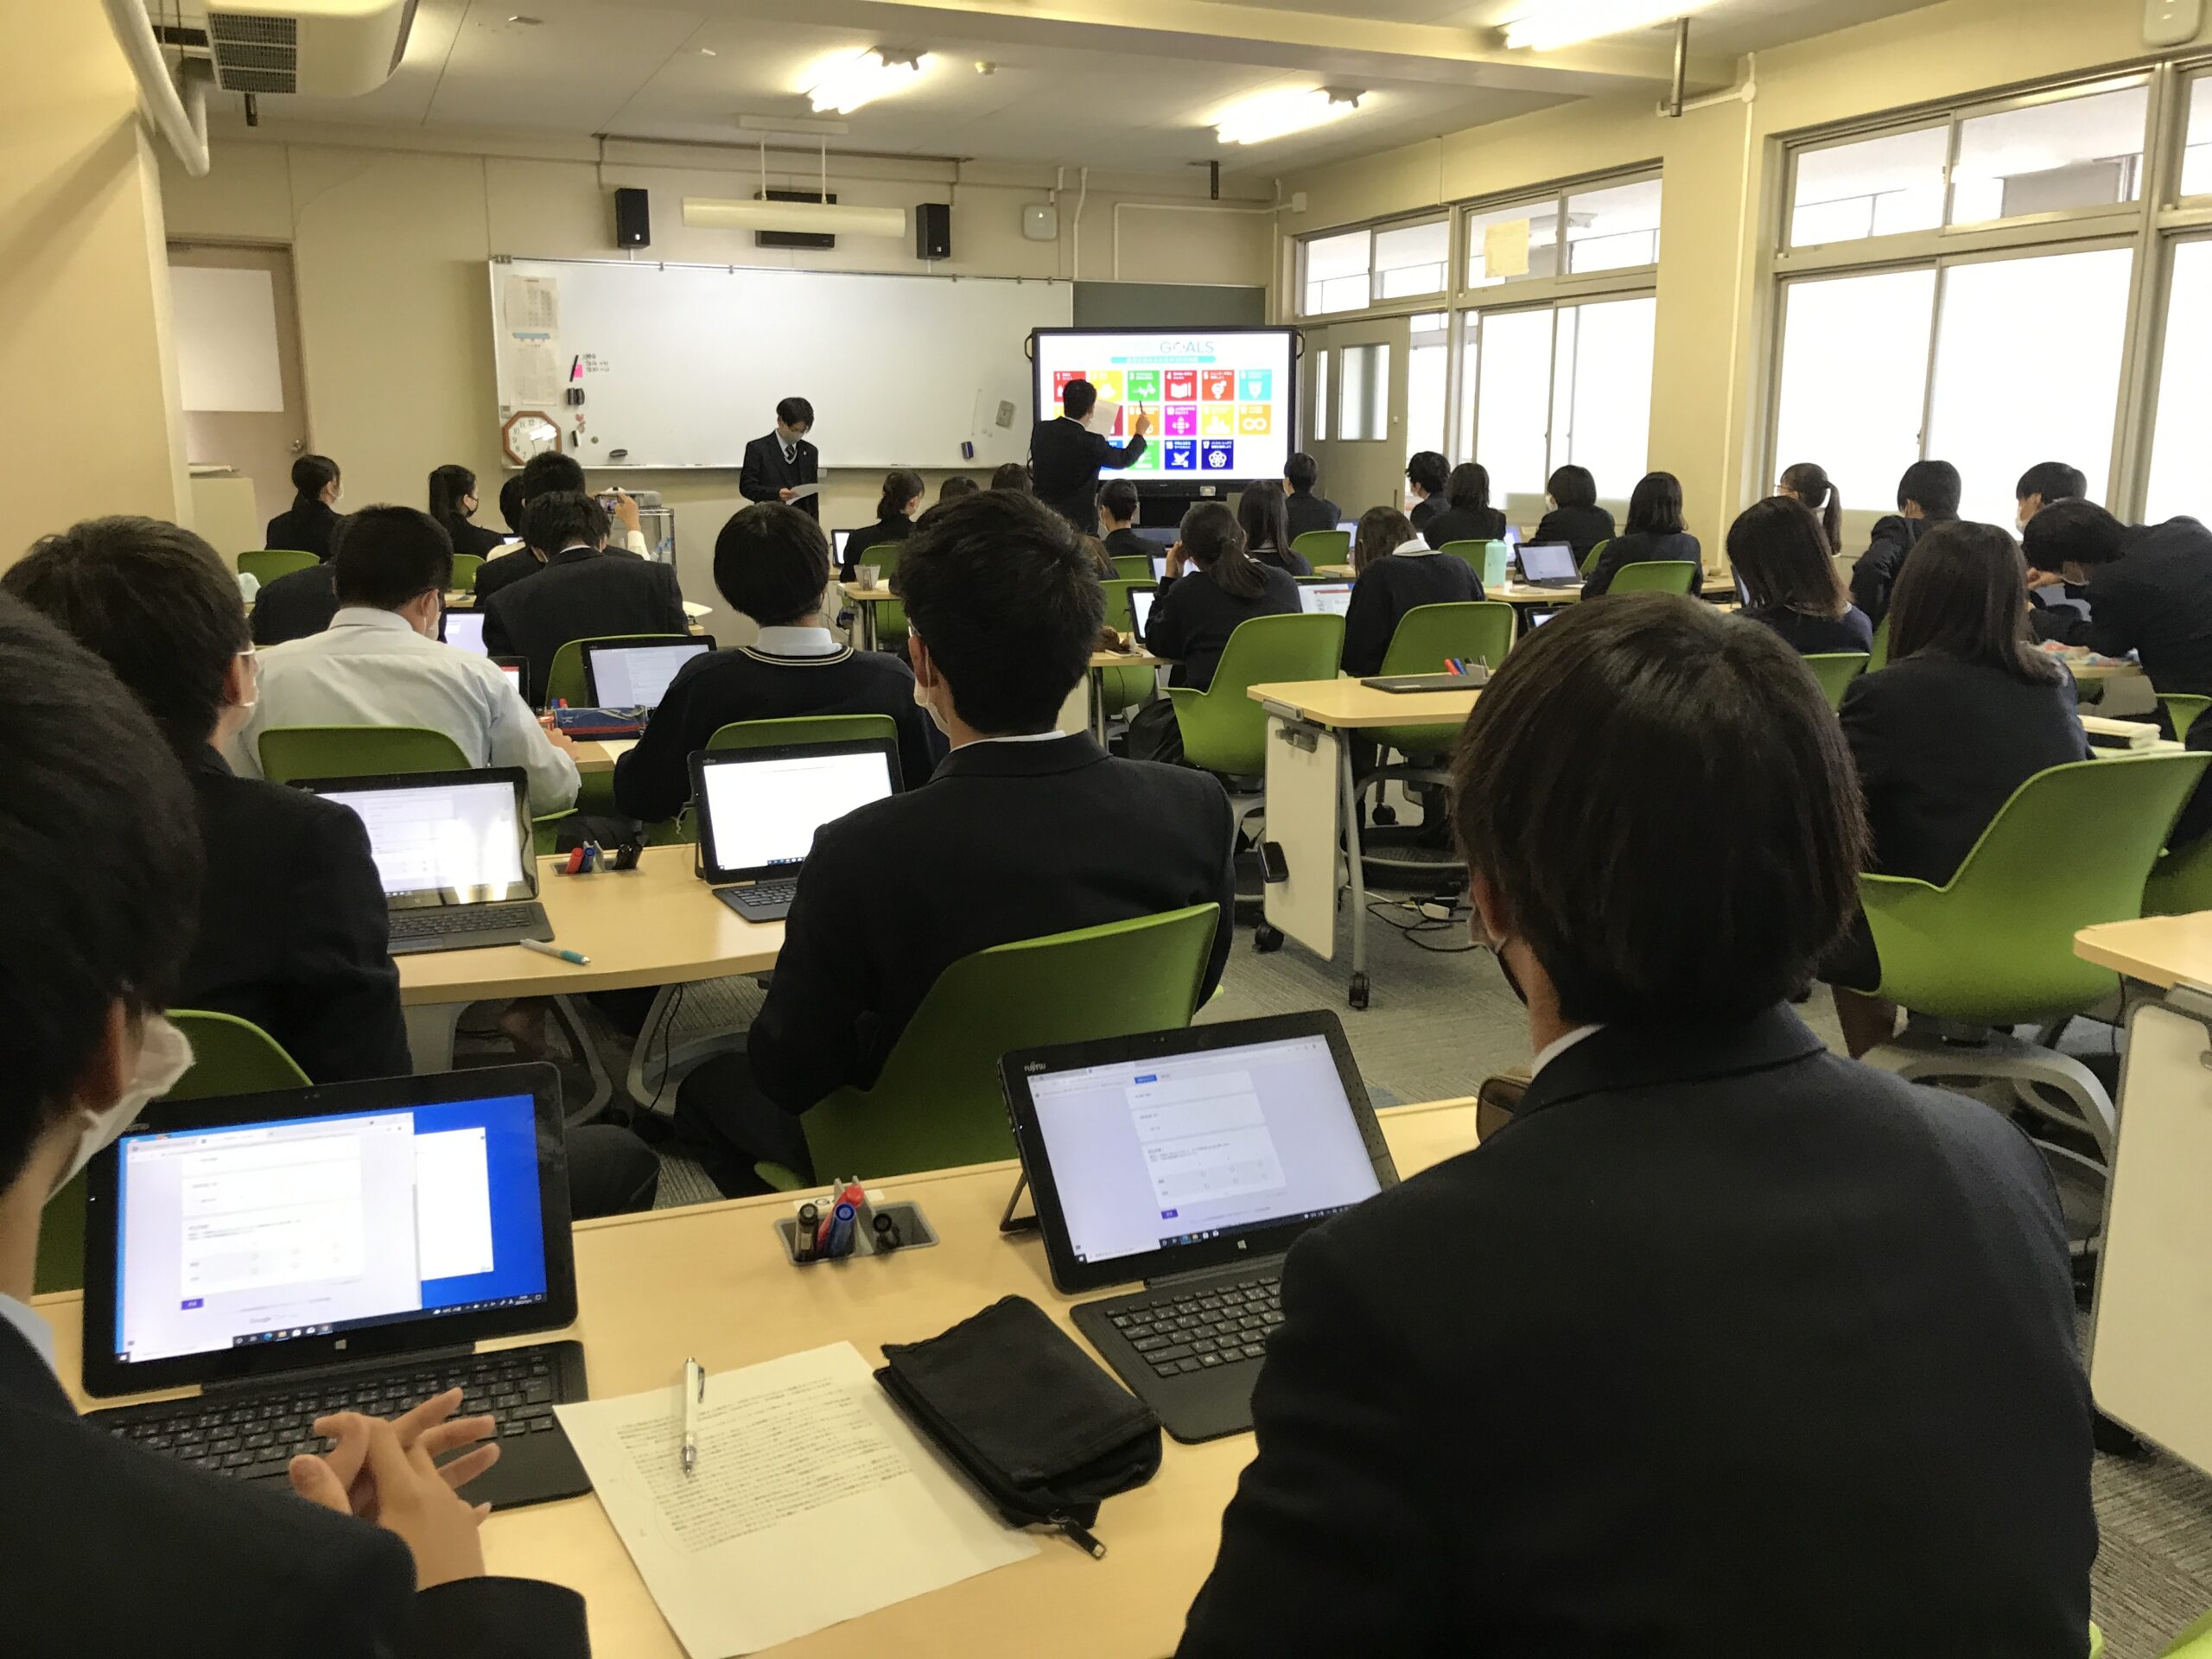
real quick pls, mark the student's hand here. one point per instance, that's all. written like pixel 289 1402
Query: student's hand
pixel 1176 559
pixel 626 510
pixel 1143 423
pixel 559 739
pixel 783 495
pixel 406 1494
pixel 2046 579
pixel 339 1480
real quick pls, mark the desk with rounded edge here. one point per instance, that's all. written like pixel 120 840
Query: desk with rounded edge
pixel 1313 800
pixel 709 1281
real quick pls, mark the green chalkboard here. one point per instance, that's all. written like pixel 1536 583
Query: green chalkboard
pixel 1168 305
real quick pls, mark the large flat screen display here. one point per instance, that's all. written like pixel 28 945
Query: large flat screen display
pixel 1222 399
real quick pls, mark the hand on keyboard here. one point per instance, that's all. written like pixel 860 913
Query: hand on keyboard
pixel 408 1496
pixel 340 1479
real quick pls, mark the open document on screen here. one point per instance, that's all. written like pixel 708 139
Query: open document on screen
pixel 1187 1147
pixel 636 677
pixel 437 837
pixel 765 812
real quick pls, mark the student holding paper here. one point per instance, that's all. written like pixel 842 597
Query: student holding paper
pixel 1065 455
pixel 784 466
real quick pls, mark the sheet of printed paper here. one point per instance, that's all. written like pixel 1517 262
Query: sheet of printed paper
pixel 1505 248
pixel 813 1501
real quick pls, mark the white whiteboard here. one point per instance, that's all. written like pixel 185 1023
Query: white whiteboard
pixel 681 365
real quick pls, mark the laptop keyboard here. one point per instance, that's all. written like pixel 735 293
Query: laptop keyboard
pixel 1201 1330
pixel 447 920
pixel 765 895
pixel 255 1436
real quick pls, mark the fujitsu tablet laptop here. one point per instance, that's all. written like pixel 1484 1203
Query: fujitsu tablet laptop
pixel 635 673
pixel 1548 564
pixel 759 810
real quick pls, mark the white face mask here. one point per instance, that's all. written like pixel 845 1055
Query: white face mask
pixel 164 1055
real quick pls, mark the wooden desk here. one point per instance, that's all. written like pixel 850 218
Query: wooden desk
pixel 1094 688
pixel 1314 801
pixel 596 755
pixel 867 599
pixel 710 1282
pixel 1518 593
pixel 2161 951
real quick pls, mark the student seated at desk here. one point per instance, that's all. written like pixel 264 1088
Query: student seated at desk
pixel 1928 495
pixel 771 564
pixel 294 606
pixel 292 932
pixel 583 593
pixel 2150 588
pixel 1653 534
pixel 1194 615
pixel 1266 533
pixel 1967 711
pixel 1395 570
pixel 1012 475
pixel 1807 483
pixel 511 506
pixel 543 475
pixel 1118 506
pixel 895 512
pixel 306 526
pixel 453 503
pixel 1724 1344
pixel 1782 561
pixel 958 485
pixel 108 1547
pixel 1468 515
pixel 380 664
pixel 1429 475
pixel 1302 508
pixel 1023 831
pixel 2061 611
pixel 1573 515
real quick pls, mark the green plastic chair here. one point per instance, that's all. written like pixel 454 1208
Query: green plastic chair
pixel 270 563
pixel 465 567
pixel 2182 708
pixel 2181 881
pixel 1878 657
pixel 806 729
pixel 230 1056
pixel 1590 559
pixel 2194 1643
pixel 1132 567
pixel 1320 547
pixel 1485 558
pixel 1972 958
pixel 937 1103
pixel 1835 671
pixel 1122 689
pixel 1656 576
pixel 291 752
pixel 1223 730
pixel 564 679
pixel 1474 633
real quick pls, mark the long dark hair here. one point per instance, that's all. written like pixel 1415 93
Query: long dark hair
pixel 1655 506
pixel 1809 483
pixel 1469 490
pixel 1964 595
pixel 1212 537
pixel 900 489
pixel 1382 531
pixel 1261 514
pixel 1782 554
pixel 448 485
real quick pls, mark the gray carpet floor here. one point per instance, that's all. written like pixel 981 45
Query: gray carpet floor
pixel 1439 1021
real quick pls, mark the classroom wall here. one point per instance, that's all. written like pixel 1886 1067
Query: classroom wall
pixel 1722 170
pixel 93 424
pixel 390 234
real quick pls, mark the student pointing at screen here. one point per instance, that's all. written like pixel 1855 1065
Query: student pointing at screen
pixel 1065 455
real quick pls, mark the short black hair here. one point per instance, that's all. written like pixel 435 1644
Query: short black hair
pixel 1781 555
pixel 1571 487
pixel 2054 480
pixel 795 412
pixel 511 500
pixel 549 470
pixel 1655 505
pixel 899 487
pixel 311 475
pixel 563 519
pixel 1429 470
pixel 1013 476
pixel 1935 485
pixel 999 588
pixel 155 602
pixel 100 866
pixel 448 484
pixel 1118 497
pixel 390 556
pixel 1568 799
pixel 1078 398
pixel 1963 596
pixel 1302 472
pixel 771 564
pixel 1468 489
pixel 956 487
pixel 2072 532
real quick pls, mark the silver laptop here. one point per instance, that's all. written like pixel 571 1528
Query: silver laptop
pixel 1548 564
pixel 636 674
pixel 1330 597
pixel 759 810
pixel 453 852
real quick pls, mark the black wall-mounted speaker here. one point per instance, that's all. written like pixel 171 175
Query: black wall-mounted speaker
pixel 632 224
pixel 933 231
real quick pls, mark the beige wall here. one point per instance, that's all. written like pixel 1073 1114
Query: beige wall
pixel 1722 170
pixel 389 245
pixel 93 425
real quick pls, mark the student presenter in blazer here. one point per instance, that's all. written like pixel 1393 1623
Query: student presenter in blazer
pixel 784 461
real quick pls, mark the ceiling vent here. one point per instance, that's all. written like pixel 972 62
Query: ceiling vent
pixel 332 48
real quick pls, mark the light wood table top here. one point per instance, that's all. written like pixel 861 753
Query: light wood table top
pixel 1346 705
pixel 1342 572
pixel 874 595
pixel 1138 659
pixel 600 754
pixel 710 1282
pixel 2160 950
pixel 2082 668
pixel 657 925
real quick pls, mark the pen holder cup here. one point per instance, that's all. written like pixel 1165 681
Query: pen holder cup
pixel 915 1233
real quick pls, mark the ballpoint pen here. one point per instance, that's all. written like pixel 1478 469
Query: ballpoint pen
pixel 545 949
pixel 695 1395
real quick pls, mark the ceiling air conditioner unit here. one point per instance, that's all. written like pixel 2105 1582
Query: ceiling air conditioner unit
pixel 332 48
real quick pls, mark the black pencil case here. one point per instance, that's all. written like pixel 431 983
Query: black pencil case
pixel 1039 1426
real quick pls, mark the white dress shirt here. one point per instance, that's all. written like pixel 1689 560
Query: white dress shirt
pixel 371 668
pixel 36 1331
pixel 796 642
pixel 1559 1046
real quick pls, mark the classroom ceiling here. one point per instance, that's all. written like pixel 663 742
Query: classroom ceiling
pixel 1119 85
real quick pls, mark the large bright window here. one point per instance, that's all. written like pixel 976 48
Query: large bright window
pixel 1607 228
pixel 1876 187
pixel 2197 141
pixel 1854 378
pixel 1364 414
pixel 1613 229
pixel 1541 387
pixel 2180 482
pixel 1336 273
pixel 1357 268
pixel 1318 422
pixel 1428 378
pixel 1412 259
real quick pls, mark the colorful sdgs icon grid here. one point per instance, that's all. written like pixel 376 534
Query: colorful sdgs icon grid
pixel 1200 413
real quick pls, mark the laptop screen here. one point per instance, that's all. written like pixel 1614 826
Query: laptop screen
pixel 513 671
pixel 838 538
pixel 454 838
pixel 636 676
pixel 1548 561
pixel 267 1232
pixel 466 630
pixel 1182 1148
pixel 1164 534
pixel 759 811
pixel 1333 597
pixel 1140 606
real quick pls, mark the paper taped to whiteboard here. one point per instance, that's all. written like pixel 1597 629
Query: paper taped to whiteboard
pixel 533 304
pixel 538 377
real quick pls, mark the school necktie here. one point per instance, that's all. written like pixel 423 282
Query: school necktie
pixel 790 453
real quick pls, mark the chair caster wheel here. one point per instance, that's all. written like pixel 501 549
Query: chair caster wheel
pixel 1386 815
pixel 1359 990
pixel 1266 938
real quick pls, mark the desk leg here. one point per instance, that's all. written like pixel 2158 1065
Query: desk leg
pixel 1355 872
pixel 430 1035
pixel 1098 705
pixel 867 626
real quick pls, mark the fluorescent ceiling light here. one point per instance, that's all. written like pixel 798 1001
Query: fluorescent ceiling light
pixel 1276 115
pixel 1551 23
pixel 804 218
pixel 875 74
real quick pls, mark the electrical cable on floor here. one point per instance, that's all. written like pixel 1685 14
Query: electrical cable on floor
pixel 1420 922
pixel 667 1045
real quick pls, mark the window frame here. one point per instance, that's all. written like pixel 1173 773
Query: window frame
pixel 1464 352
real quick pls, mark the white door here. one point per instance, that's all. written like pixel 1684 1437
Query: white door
pixel 237 344
pixel 1356 380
